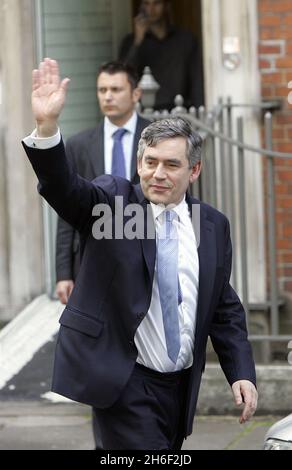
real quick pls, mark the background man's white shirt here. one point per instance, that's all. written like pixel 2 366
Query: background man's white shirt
pixel 127 143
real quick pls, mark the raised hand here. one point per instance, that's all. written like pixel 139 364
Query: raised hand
pixel 141 26
pixel 48 96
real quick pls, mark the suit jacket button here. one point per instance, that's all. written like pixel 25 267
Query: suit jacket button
pixel 131 343
pixel 140 315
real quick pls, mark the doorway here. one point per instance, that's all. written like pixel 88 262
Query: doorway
pixel 186 14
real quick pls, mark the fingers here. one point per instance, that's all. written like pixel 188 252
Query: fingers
pixel 63 290
pixel 40 76
pixel 48 99
pixel 42 80
pixel 245 392
pixel 62 295
pixel 250 400
pixel 247 413
pixel 55 73
pixel 48 73
pixel 65 83
pixel 237 393
pixel 35 79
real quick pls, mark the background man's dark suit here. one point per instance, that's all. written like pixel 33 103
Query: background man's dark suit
pixel 86 152
pixel 96 353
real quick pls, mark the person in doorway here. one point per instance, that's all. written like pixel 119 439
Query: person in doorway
pixel 172 54
pixel 93 151
pixel 151 288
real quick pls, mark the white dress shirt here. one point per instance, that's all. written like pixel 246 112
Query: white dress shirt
pixel 127 143
pixel 150 336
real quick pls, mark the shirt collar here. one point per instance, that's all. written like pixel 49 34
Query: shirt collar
pixel 170 31
pixel 130 125
pixel 181 209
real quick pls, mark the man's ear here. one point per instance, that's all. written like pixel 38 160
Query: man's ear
pixel 139 166
pixel 137 93
pixel 196 170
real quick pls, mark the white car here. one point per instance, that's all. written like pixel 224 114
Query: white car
pixel 279 436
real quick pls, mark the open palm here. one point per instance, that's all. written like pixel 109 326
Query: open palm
pixel 48 91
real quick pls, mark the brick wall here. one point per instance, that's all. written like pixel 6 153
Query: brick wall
pixel 275 62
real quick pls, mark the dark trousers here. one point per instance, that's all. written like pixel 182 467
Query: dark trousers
pixel 96 432
pixel 150 413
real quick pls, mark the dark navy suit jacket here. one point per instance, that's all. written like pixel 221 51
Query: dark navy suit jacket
pixel 95 352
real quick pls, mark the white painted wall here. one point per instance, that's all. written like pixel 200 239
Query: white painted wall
pixel 21 273
pixel 223 18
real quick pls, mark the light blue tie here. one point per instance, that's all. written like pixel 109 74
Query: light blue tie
pixel 118 158
pixel 168 283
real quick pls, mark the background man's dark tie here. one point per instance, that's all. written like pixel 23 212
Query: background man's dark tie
pixel 118 160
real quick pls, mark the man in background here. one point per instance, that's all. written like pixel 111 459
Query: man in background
pixel 172 54
pixel 110 148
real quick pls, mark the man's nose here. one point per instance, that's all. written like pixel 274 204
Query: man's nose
pixel 108 95
pixel 160 172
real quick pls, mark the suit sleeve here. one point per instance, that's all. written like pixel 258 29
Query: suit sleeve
pixel 72 196
pixel 228 331
pixel 64 240
pixel 64 251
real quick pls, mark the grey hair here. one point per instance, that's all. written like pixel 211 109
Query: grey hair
pixel 169 128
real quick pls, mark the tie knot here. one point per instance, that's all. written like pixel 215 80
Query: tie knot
pixel 118 135
pixel 167 229
pixel 170 216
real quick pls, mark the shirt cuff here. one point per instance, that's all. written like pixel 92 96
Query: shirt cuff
pixel 42 143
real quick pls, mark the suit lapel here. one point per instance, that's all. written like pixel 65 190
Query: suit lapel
pixel 207 262
pixel 96 150
pixel 207 268
pixel 141 124
pixel 148 242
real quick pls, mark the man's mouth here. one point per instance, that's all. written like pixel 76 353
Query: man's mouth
pixel 159 188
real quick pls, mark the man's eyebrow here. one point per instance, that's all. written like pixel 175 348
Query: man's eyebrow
pixel 149 157
pixel 174 160
pixel 105 87
pixel 169 160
